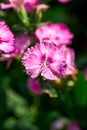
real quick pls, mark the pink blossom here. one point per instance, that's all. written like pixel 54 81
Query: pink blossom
pixel 47 60
pixel 30 5
pixel 58 34
pixel 6 38
pixel 34 86
pixel 22 41
pixel 16 4
pixel 73 126
pixel 64 1
pixel 70 63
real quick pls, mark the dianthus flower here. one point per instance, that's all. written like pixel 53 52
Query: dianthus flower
pixel 58 34
pixel 6 38
pixel 74 126
pixel 16 4
pixel 70 57
pixel 34 86
pixel 47 60
pixel 22 41
pixel 30 5
pixel 64 1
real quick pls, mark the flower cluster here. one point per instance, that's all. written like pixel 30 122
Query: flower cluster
pixel 51 57
pixel 44 62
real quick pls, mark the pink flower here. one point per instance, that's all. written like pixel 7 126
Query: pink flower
pixel 47 60
pixel 30 5
pixel 58 34
pixel 64 1
pixel 6 38
pixel 74 126
pixel 16 4
pixel 22 41
pixel 34 86
pixel 70 64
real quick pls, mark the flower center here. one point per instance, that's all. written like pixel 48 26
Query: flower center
pixel 46 60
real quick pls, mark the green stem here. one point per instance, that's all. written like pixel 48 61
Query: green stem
pixel 24 17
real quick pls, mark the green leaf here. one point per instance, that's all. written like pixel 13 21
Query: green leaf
pixel 14 100
pixel 80 91
pixel 25 113
pixel 9 123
